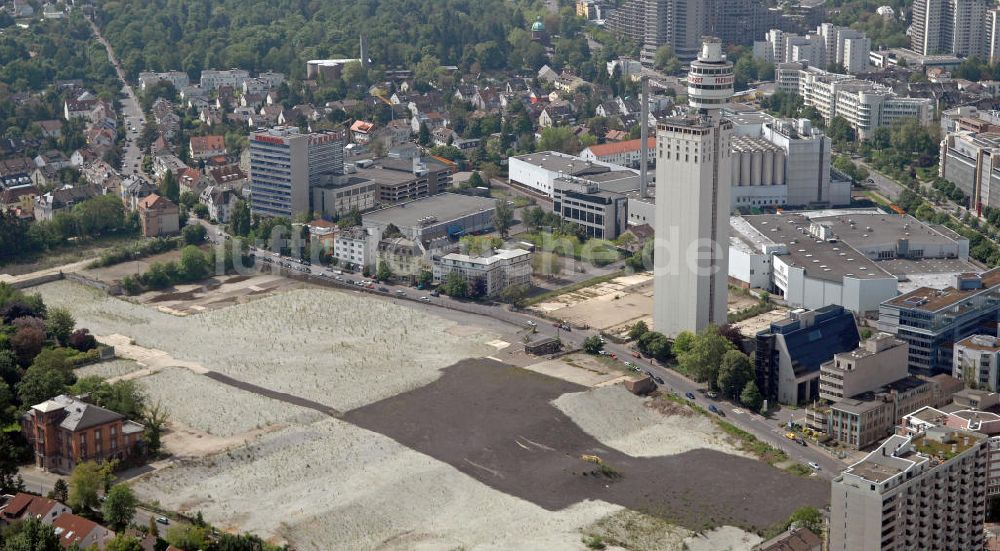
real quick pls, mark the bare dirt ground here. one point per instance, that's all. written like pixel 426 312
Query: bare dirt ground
pixel 581 369
pixel 218 292
pixel 609 306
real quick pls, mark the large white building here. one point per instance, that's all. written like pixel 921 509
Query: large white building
pixel 971 161
pixel 539 171
pixel 493 273
pixel 694 175
pixel 178 79
pixel 864 104
pixel 854 258
pixel 977 362
pixel 829 44
pixel 212 79
pixel 285 164
pixel 924 491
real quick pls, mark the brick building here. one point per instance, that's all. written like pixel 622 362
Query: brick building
pixel 66 430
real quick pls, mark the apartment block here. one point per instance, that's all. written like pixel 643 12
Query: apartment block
pixel 983 422
pixel 491 274
pixel 829 44
pixel 923 491
pixel 977 362
pixel 971 161
pixel 864 104
pixel 931 320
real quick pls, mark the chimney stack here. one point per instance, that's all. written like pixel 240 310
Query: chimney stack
pixel 644 138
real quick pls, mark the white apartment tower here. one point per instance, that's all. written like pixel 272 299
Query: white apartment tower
pixel 694 175
pixel 959 27
pixel 925 491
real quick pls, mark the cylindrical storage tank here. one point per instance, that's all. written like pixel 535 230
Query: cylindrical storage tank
pixel 745 167
pixel 734 160
pixel 755 168
pixel 779 167
pixel 768 176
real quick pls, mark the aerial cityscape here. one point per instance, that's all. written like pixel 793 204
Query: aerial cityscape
pixel 645 275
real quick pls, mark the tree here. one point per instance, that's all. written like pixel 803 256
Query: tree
pixel 122 542
pixel 424 135
pixel 27 343
pixel 240 221
pixel 119 506
pixel 515 294
pixel 840 131
pixel 153 529
pixel 503 216
pixel 665 60
pixel 59 325
pixel 751 397
pixel 155 419
pixel 82 340
pixel 383 273
pixel 10 458
pixel 169 187
pixel 41 382
pixel 593 344
pixel 561 139
pixel 475 180
pixel 194 234
pixel 32 535
pixel 638 330
pixel 683 343
pixel 391 231
pixel 123 396
pixel 654 344
pixel 188 538
pixel 194 264
pixel 60 490
pixel 702 361
pixel 807 517
pixel 454 285
pixel 85 482
pixel 734 373
pixel 425 278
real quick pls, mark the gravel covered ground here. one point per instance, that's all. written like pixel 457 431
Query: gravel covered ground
pixel 109 369
pixel 185 395
pixel 336 348
pixel 625 422
pixel 338 486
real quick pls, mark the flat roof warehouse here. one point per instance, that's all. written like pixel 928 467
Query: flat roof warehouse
pixel 443 207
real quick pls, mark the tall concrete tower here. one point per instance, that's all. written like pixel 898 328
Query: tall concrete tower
pixel 693 173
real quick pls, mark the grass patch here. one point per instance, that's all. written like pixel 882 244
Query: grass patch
pixel 878 199
pixel 600 252
pixel 571 288
pixel 748 442
pixel 799 469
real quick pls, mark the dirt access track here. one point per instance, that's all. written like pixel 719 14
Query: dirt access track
pixel 496 424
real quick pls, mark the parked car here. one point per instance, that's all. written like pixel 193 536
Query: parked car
pixel 689 395
pixel 163 520
pixel 659 380
pixel 800 442
pixel 383 289
pixel 531 323
pixel 815 466
pixel 712 394
pixel 435 294
pixel 716 410
pixel 425 299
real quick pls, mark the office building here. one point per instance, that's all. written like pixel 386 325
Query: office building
pixel 400 179
pixel 971 161
pixel 976 361
pixel 865 419
pixel 923 491
pixel 864 104
pixel 489 275
pixel 354 248
pixel 447 215
pixel 931 320
pixel 285 164
pixel 539 171
pixel 694 171
pixel 789 354
pixel 879 361
pixel 339 194
pixel 602 214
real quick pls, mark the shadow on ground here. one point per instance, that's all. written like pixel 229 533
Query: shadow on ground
pixel 496 423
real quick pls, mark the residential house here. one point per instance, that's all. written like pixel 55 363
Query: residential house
pixel 19 200
pixel 489 274
pixel 352 248
pixel 464 92
pixel 361 131
pixel 204 147
pixel 568 82
pixel 45 177
pixel 167 162
pixel 51 128
pixel 16 171
pixel 67 430
pixel 220 202
pixel 252 101
pixel 273 97
pixel 78 108
pixel 56 201
pixel 228 176
pixel 273 79
pixel 404 257
pixel 323 233
pixel 133 190
pixel 793 539
pixel 24 506
pixel 546 74
pixel 191 180
pixel 158 216
pixel 556 114
pixel 430 120
pixel 99 137
pixel 211 115
pixel 396 131
pixel 486 99
pixel 52 158
pixel 256 86
pixel 82 533
pixel 268 116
